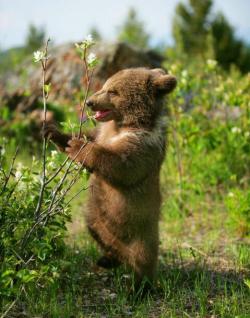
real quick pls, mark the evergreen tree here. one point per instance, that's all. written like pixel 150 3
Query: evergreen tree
pixel 132 31
pixel 191 26
pixel 197 32
pixel 227 48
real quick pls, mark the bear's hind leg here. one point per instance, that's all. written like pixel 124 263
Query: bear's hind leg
pixel 144 263
pixel 108 260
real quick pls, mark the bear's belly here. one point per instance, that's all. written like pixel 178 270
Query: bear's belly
pixel 124 213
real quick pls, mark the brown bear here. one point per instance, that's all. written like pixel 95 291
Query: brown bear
pixel 124 155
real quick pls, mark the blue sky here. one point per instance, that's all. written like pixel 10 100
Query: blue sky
pixel 70 20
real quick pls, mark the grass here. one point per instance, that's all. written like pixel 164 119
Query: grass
pixel 204 264
pixel 204 259
pixel 202 272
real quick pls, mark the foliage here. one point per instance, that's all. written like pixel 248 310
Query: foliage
pixel 190 26
pixel 31 251
pixel 132 31
pixel 197 32
pixel 210 135
pixel 204 252
pixel 227 48
pixel 238 203
pixel 11 59
pixel 33 207
pixel 23 127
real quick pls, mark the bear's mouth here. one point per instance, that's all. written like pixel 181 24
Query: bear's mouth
pixel 102 114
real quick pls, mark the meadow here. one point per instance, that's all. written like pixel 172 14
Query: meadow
pixel 204 260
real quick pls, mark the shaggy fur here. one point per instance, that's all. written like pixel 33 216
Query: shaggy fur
pixel 125 155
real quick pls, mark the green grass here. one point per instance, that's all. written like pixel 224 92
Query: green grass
pixel 204 259
pixel 191 283
pixel 202 272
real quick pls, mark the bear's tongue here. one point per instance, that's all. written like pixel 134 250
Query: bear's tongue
pixel 101 114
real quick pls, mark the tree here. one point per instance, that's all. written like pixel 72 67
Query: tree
pixel 132 31
pixel 197 32
pixel 191 26
pixel 226 47
pixel 35 38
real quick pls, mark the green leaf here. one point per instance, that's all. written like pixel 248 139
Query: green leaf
pixel 47 88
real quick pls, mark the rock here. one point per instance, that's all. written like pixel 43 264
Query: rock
pixel 22 90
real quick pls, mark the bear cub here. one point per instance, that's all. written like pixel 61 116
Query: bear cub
pixel 124 155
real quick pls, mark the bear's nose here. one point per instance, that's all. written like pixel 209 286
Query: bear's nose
pixel 89 103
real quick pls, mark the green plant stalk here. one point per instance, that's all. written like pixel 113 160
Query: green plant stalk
pixel 88 79
pixel 45 97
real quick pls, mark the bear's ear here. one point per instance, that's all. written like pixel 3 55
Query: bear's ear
pixel 159 71
pixel 164 83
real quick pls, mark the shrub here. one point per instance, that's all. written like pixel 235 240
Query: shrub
pixel 31 247
pixel 238 206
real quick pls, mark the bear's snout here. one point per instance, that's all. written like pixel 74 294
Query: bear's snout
pixel 89 103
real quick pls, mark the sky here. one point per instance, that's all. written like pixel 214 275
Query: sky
pixel 71 20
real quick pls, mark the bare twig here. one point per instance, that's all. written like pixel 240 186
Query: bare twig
pixel 10 171
pixel 48 212
pixel 2 169
pixel 88 80
pixel 21 259
pixel 57 171
pixel 45 214
pixel 72 182
pixel 53 206
pixel 12 304
pixel 9 308
pixel 13 189
pixel 45 97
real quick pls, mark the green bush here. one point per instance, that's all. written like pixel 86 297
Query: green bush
pixel 32 246
pixel 209 138
pixel 22 127
pixel 238 205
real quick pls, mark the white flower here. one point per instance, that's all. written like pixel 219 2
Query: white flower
pixel 19 171
pixel 18 175
pixel 247 134
pixel 86 43
pixel 54 153
pixel 89 39
pixel 38 56
pixel 91 59
pixel 211 64
pixel 112 295
pixel 231 194
pixel 184 73
pixel 84 171
pixel 51 165
pixel 2 151
pixel 236 130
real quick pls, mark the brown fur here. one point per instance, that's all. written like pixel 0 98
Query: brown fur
pixel 125 158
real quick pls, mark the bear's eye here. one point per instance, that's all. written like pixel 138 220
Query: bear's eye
pixel 113 92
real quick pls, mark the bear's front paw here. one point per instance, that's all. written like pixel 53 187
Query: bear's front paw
pixel 74 151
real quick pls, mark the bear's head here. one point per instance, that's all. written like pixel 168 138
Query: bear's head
pixel 132 97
